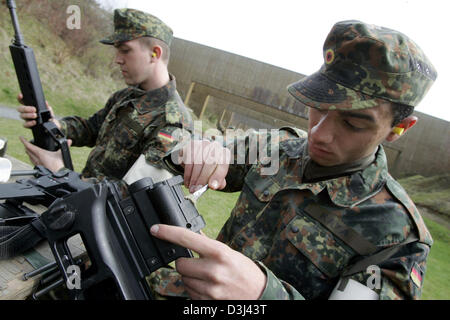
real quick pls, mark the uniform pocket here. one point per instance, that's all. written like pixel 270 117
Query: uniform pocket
pixel 125 137
pixel 318 245
pixel 262 186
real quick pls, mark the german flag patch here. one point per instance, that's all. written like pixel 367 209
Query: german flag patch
pixel 165 136
pixel 416 275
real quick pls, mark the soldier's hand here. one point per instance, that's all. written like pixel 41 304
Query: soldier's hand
pixel 219 273
pixel 52 160
pixel 205 162
pixel 29 114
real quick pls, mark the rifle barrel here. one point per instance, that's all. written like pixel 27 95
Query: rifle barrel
pixel 23 173
pixel 18 38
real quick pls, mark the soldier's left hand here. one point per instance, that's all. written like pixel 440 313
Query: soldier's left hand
pixel 219 273
pixel 52 160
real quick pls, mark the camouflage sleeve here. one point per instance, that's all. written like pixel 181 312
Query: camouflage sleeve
pixel 401 278
pixel 402 275
pixel 277 289
pixel 162 141
pixel 84 132
pixel 166 283
pixel 250 147
pixel 244 147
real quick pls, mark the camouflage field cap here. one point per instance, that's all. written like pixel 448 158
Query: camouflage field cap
pixel 130 24
pixel 365 63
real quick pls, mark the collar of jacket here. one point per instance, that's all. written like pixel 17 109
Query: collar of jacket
pixel 144 101
pixel 348 190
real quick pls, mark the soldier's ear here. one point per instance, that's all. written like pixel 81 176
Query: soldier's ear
pixel 156 52
pixel 399 129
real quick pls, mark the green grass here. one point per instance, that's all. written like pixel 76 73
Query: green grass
pixel 437 278
pixel 215 207
pixel 431 192
pixel 12 129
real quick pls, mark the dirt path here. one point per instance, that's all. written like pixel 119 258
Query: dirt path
pixel 430 214
pixel 10 113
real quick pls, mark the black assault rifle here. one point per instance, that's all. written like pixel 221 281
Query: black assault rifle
pixel 115 230
pixel 45 133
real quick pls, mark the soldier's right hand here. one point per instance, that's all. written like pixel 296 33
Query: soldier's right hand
pixel 205 162
pixel 29 114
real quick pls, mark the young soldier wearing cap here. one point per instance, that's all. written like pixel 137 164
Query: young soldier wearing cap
pixel 137 123
pixel 332 222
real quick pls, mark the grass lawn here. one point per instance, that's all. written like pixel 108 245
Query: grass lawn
pixel 12 129
pixel 216 206
pixel 437 277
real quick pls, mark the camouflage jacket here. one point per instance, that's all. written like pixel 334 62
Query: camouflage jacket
pixel 133 122
pixel 302 258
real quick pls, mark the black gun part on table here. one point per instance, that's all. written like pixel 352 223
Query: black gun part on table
pixel 115 230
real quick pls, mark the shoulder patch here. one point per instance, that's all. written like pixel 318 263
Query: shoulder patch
pixel 416 275
pixel 165 135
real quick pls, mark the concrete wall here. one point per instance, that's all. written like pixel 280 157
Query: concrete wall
pixel 243 93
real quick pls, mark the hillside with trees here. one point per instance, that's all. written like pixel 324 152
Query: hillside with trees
pixel 77 72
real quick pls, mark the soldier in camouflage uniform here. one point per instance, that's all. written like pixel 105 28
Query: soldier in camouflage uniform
pixel 138 120
pixel 332 211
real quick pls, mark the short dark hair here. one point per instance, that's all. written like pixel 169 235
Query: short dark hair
pixel 149 42
pixel 400 112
